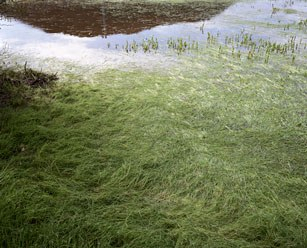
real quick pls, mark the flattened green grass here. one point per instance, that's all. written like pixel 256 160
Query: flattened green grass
pixel 209 154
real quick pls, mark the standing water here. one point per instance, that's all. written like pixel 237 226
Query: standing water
pixel 100 34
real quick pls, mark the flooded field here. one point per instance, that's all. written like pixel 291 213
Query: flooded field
pixel 153 125
pixel 104 33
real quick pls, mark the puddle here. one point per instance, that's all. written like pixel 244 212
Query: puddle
pixel 270 20
pixel 98 34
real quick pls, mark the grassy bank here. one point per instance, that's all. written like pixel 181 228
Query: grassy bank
pixel 211 153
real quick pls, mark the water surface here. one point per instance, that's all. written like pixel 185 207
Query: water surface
pixel 97 34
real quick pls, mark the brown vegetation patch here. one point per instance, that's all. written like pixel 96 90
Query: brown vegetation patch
pixel 14 84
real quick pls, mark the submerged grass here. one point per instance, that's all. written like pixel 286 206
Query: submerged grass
pixel 211 153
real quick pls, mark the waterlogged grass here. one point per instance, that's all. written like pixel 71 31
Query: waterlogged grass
pixel 259 47
pixel 211 153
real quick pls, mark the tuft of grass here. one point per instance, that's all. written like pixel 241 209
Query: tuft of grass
pixel 16 86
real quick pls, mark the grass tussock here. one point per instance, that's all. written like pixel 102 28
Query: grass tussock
pixel 16 86
pixel 211 153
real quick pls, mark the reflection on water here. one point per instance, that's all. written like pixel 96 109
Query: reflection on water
pixel 108 18
pixel 96 34
pixel 264 19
